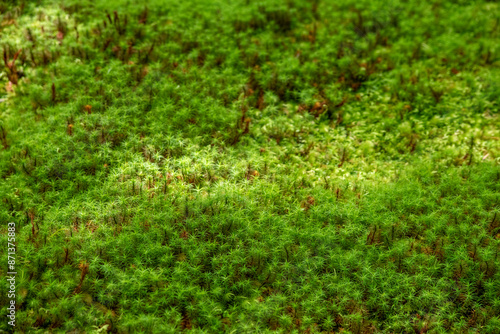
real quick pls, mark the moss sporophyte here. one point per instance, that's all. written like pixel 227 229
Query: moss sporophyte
pixel 212 166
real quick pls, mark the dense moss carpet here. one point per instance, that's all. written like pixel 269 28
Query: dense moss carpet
pixel 251 167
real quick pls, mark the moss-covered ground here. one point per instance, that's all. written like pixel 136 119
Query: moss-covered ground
pixel 251 167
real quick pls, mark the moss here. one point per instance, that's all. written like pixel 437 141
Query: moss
pixel 222 166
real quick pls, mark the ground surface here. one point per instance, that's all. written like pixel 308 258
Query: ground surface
pixel 242 166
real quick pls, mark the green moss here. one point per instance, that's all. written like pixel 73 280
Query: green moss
pixel 214 166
